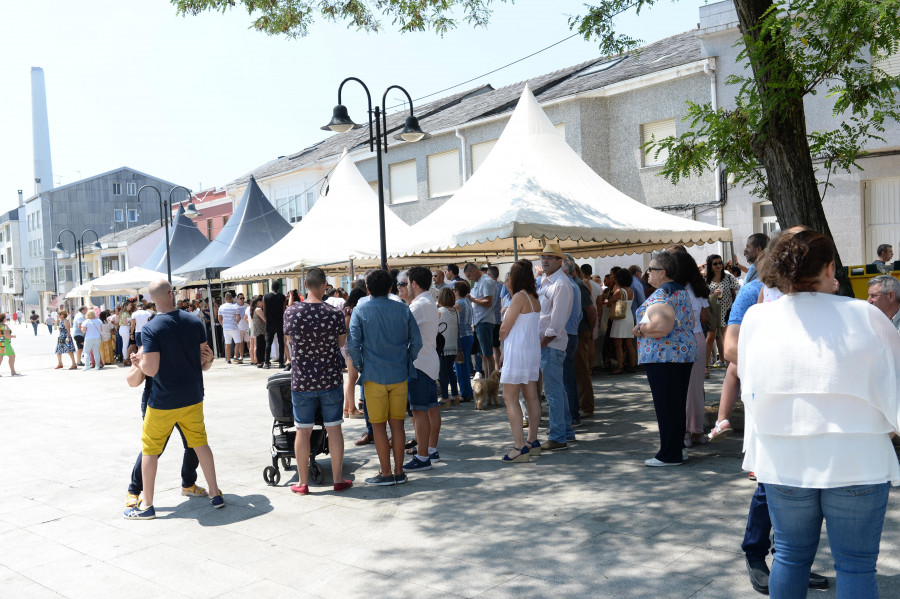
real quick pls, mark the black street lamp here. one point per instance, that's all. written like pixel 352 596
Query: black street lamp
pixel 165 215
pixel 341 123
pixel 79 248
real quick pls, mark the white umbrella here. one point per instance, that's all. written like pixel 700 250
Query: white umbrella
pixel 135 278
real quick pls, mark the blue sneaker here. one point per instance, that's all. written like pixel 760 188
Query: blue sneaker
pixel 416 464
pixel 434 456
pixel 399 479
pixel 380 480
pixel 139 513
pixel 217 500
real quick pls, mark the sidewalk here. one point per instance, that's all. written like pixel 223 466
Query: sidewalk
pixel 590 521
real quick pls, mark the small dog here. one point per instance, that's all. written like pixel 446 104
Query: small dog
pixel 485 390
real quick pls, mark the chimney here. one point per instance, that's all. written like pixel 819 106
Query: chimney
pixel 21 198
pixel 43 167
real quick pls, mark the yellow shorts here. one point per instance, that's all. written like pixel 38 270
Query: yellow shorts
pixel 158 425
pixel 385 402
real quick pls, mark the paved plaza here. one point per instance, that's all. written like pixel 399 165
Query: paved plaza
pixel 591 521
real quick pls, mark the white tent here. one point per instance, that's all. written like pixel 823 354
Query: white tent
pixel 341 226
pixel 532 186
pixel 121 281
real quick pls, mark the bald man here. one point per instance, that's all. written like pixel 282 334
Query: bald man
pixel 172 341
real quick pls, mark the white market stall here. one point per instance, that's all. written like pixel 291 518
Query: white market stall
pixel 117 282
pixel 341 226
pixel 533 187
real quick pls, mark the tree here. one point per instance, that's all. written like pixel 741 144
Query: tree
pixel 795 48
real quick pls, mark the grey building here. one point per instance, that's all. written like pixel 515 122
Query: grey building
pixel 11 272
pixel 105 203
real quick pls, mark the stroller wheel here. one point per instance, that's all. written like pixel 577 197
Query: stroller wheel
pixel 315 473
pixel 286 463
pixel 272 476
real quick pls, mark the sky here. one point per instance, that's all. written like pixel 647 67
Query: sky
pixel 201 100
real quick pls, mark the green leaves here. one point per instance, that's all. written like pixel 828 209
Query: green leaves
pixel 293 18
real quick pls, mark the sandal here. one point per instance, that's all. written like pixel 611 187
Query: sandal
pixel 57 368
pixel 720 431
pixel 522 457
pixel 73 367
pixel 410 444
pixel 706 376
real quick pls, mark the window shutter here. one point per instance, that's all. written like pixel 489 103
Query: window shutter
pixel 888 63
pixel 403 182
pixel 443 173
pixel 657 131
pixel 480 152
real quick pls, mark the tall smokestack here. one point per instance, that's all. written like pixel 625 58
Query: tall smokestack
pixel 43 166
pixel 21 198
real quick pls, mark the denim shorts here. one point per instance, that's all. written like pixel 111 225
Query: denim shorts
pixel 422 391
pixel 485 333
pixel 305 403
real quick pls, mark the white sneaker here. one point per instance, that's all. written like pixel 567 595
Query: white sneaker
pixel 684 455
pixel 654 462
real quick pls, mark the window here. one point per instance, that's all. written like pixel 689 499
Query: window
pixel 480 152
pixel 224 220
pixel 119 215
pixel 117 189
pixel 132 215
pixel 882 214
pixel 764 218
pixel 656 131
pixel 404 186
pixel 310 200
pixel 443 173
pixel 131 188
pixel 209 229
pixel 888 62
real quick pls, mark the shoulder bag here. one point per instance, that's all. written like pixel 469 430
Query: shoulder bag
pixel 622 306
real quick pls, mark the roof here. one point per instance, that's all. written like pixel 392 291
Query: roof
pixel 129 235
pixel 485 101
pixel 115 170
pixel 185 242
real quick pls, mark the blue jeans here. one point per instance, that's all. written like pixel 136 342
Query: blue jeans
pixel 463 372
pixel 569 376
pixel 306 403
pixel 853 516
pixel 485 333
pixel 756 537
pixel 557 403
pixel 422 392
pixel 448 376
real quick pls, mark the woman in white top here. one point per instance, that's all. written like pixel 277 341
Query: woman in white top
pixel 819 381
pixel 621 331
pixel 689 276
pixel 93 333
pixel 521 360
pixel 448 326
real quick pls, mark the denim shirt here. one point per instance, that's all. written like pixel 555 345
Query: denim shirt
pixel 384 341
pixel 575 315
pixel 465 317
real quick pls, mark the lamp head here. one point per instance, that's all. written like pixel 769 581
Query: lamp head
pixel 340 121
pixel 59 249
pixel 191 210
pixel 411 131
pixel 96 246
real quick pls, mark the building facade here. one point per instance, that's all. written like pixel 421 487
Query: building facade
pixel 11 273
pixel 83 211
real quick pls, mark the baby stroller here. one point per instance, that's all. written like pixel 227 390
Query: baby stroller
pixel 284 433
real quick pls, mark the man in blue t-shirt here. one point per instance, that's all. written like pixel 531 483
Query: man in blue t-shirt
pixel 172 344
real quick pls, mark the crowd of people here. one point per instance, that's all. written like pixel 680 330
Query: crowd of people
pixel 817 442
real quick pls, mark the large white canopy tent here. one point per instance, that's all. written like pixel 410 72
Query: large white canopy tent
pixel 342 226
pixel 533 187
pixel 117 282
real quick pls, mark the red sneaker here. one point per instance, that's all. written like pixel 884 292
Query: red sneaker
pixel 342 486
pixel 300 489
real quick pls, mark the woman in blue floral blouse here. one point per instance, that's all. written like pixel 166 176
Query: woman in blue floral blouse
pixel 668 348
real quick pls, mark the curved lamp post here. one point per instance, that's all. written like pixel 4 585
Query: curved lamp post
pixel 341 123
pixel 79 251
pixel 165 215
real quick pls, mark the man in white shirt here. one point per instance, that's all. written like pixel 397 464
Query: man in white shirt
pixel 139 318
pixel 423 388
pixel 229 317
pixel 556 305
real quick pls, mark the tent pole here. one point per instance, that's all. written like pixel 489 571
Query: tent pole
pixel 352 273
pixel 212 327
pixel 515 247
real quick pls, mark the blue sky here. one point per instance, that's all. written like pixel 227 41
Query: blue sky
pixel 202 100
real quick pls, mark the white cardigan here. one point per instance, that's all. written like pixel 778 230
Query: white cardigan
pixel 819 382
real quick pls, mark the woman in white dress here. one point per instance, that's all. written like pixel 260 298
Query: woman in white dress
pixel 521 360
pixel 621 331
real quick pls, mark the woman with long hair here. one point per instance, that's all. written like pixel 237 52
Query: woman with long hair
pixel 723 288
pixel 688 275
pixel 448 325
pixel 521 360
pixel 257 332
pixel 620 332
pixel 350 409
pixel 6 350
pixel 124 320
